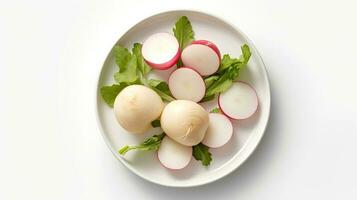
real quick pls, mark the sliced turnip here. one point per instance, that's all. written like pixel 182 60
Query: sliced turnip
pixel 161 51
pixel 220 130
pixel 209 44
pixel 173 155
pixel 187 84
pixel 238 102
pixel 203 56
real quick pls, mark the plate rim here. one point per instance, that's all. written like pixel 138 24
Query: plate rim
pixel 253 147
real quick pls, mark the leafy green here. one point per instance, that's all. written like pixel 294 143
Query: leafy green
pixel 150 144
pixel 161 88
pixel 210 80
pixel 184 33
pixel 156 123
pixel 142 66
pixel 132 70
pixel 109 93
pixel 127 73
pixel 246 53
pixel 222 84
pixel 122 56
pixel 215 110
pixel 227 61
pixel 227 73
pixel 200 152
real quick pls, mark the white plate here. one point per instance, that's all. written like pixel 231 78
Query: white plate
pixel 247 132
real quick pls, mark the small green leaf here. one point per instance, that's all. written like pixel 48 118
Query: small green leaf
pixel 227 62
pixel 150 144
pixel 215 110
pixel 161 88
pixel 209 80
pixel 142 66
pixel 228 72
pixel 155 123
pixel 128 74
pixel 122 56
pixel 201 152
pixel 221 85
pixel 109 93
pixel 184 34
pixel 246 53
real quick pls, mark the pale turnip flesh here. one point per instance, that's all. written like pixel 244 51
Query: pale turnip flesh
pixel 187 84
pixel 219 132
pixel 136 106
pixel 201 58
pixel 161 51
pixel 173 155
pixel 240 101
pixel 185 122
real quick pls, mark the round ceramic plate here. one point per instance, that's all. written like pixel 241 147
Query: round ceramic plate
pixel 247 133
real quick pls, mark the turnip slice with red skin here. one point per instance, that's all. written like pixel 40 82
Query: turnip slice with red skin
pixel 186 84
pixel 173 155
pixel 202 56
pixel 240 101
pixel 161 51
pixel 219 132
pixel 209 44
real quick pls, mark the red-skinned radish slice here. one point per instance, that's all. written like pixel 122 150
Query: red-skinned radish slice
pixel 240 101
pixel 186 84
pixel 209 44
pixel 219 132
pixel 203 56
pixel 173 155
pixel 161 51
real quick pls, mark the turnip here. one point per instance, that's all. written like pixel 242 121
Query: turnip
pixel 173 155
pixel 203 56
pixel 136 106
pixel 187 84
pixel 220 130
pixel 161 51
pixel 239 102
pixel 185 122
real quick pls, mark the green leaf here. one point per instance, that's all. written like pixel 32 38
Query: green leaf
pixel 215 110
pixel 246 53
pixel 227 61
pixel 228 72
pixel 209 80
pixel 161 88
pixel 150 144
pixel 155 123
pixel 109 93
pixel 221 85
pixel 184 34
pixel 122 56
pixel 142 66
pixel 200 152
pixel 127 74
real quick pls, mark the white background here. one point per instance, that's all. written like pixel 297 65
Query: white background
pixel 50 56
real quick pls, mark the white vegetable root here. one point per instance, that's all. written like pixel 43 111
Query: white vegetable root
pixel 136 106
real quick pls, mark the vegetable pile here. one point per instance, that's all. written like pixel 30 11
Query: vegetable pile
pixel 201 74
